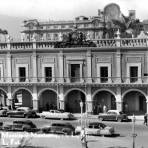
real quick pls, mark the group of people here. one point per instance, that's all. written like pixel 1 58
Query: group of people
pixel 100 109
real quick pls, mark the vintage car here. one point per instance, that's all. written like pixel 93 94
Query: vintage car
pixel 22 112
pixel 97 129
pixel 3 111
pixel 57 114
pixel 59 128
pixel 21 125
pixel 113 115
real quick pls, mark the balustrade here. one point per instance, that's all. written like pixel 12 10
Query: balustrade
pixel 106 43
pixel 21 45
pixel 101 43
pixel 44 45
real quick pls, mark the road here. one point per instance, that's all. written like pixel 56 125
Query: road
pixel 123 136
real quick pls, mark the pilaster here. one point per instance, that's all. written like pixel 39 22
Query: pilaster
pixel 34 67
pixel 9 69
pixel 89 67
pixel 61 70
pixel 118 66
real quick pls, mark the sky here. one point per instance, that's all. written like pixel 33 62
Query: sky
pixel 67 9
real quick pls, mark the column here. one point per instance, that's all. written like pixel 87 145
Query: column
pixel 118 99
pixel 61 97
pixel 61 70
pixel 89 102
pixel 8 58
pixel 9 95
pixel 34 66
pixel 118 66
pixel 68 72
pixel 147 104
pixel 89 67
pixel 35 98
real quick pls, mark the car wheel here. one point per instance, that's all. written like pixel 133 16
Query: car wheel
pixel 9 115
pixel 100 118
pixel 43 117
pixel 119 120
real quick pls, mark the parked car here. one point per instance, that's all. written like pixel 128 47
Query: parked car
pixel 113 115
pixel 22 112
pixel 57 114
pixel 3 111
pixel 21 125
pixel 96 128
pixel 59 128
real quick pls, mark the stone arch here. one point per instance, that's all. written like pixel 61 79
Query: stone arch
pixel 22 97
pixel 133 90
pixel 48 99
pixel 74 89
pixel 72 98
pixel 20 89
pixel 103 100
pixel 44 89
pixel 134 101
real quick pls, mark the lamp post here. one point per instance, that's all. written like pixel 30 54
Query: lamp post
pixel 81 106
pixel 83 135
pixel 133 132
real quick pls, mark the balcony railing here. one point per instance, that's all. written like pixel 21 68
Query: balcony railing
pixel 72 80
pixel 101 43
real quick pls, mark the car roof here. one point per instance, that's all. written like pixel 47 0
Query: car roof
pixel 117 111
pixel 23 108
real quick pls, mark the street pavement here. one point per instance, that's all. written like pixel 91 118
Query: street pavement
pixel 123 138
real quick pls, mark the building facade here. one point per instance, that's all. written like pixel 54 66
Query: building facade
pixel 37 75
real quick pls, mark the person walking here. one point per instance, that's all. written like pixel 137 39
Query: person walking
pixel 145 119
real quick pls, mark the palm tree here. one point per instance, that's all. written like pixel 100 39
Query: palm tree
pixel 128 27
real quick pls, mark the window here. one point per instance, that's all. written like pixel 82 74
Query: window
pixel 48 74
pixel 55 26
pixel 22 74
pixel 75 72
pixel 133 74
pixel 62 26
pixel 104 74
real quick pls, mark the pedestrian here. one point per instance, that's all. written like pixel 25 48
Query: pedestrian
pixel 145 119
pixel 104 109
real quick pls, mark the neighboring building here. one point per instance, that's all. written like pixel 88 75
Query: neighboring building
pixel 54 30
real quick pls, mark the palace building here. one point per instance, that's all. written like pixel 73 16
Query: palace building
pixel 49 74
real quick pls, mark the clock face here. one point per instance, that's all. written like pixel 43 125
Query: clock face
pixel 112 11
